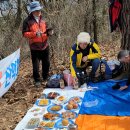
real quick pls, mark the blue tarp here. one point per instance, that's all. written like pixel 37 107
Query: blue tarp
pixel 106 101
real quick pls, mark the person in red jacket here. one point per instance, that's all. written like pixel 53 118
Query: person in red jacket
pixel 35 30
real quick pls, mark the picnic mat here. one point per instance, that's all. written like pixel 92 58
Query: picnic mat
pixel 105 108
pixel 38 111
pixel 106 101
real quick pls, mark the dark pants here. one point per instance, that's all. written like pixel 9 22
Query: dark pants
pixel 95 63
pixel 42 56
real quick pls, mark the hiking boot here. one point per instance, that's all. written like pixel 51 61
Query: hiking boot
pixel 116 86
pixel 37 84
pixel 45 79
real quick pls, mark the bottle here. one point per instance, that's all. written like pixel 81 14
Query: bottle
pixel 73 127
pixel 62 84
pixel 76 84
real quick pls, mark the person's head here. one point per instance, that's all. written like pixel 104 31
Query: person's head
pixel 83 39
pixel 124 56
pixel 35 8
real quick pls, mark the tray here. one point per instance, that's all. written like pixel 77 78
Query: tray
pixel 33 123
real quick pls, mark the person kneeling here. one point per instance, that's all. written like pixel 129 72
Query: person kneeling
pixel 82 54
pixel 123 57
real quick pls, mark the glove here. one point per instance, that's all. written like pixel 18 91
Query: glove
pixel 38 34
pixel 116 86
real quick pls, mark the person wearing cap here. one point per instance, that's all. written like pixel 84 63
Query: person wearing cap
pixel 36 31
pixel 124 57
pixel 81 52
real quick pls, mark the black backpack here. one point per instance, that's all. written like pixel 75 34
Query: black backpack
pixel 53 83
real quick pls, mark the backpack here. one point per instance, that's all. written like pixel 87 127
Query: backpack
pixel 53 83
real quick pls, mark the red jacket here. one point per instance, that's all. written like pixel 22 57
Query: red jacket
pixel 30 28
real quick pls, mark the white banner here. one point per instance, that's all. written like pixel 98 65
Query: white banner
pixel 9 68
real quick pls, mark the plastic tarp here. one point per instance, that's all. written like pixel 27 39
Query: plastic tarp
pixel 106 101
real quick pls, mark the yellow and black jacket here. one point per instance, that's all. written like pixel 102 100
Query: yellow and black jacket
pixel 92 51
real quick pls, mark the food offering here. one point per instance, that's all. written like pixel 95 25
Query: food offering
pixel 54 108
pixel 60 100
pixel 42 102
pixel 35 110
pixel 76 99
pixel 63 123
pixel 52 95
pixel 51 116
pixel 69 115
pixel 40 128
pixel 72 105
pixel 33 123
pixel 46 125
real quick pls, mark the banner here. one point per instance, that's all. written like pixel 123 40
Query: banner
pixel 9 68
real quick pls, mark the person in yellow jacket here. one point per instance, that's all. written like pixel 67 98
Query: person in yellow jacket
pixel 84 52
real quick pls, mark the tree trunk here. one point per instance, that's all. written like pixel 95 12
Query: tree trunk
pixel 14 28
pixel 94 21
pixel 125 22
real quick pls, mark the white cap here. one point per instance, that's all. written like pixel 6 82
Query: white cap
pixel 83 37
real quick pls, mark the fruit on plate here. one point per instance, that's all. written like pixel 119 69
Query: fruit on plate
pixel 50 116
pixel 56 108
pixel 69 106
pixel 68 115
pixel 75 106
pixel 65 122
pixel 43 102
pixel 52 95
pixel 76 99
pixel 72 102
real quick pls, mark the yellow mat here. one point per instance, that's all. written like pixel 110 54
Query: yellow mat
pixel 98 122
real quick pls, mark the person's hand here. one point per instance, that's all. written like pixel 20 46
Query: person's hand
pixel 50 32
pixel 85 58
pixel 38 34
pixel 123 88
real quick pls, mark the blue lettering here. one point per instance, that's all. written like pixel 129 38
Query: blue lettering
pixel 12 72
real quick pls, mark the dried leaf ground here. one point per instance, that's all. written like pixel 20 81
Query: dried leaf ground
pixel 22 95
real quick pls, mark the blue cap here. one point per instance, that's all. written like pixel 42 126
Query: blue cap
pixel 33 6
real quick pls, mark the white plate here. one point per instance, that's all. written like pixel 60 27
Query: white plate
pixel 56 101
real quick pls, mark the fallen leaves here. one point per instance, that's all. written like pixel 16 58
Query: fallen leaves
pixel 22 95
